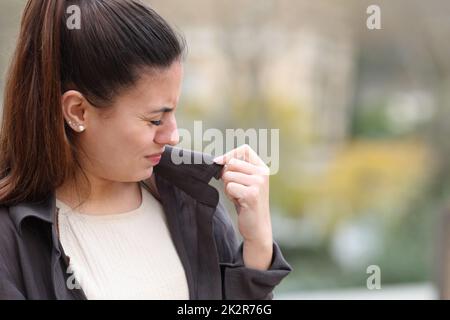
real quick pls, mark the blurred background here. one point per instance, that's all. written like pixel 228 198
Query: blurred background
pixel 364 172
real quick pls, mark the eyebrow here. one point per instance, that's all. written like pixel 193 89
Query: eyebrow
pixel 162 110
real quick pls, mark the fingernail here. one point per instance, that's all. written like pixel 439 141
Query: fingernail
pixel 218 160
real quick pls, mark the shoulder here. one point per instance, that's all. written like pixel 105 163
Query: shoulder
pixel 7 228
pixel 8 240
pixel 8 231
pixel 11 278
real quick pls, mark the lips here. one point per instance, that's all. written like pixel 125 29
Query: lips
pixel 155 154
pixel 154 158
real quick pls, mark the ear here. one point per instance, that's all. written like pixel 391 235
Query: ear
pixel 74 107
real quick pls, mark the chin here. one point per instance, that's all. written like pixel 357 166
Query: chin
pixel 148 173
pixel 144 174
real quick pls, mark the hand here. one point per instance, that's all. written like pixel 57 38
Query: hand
pixel 246 179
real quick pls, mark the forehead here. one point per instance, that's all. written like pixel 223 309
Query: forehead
pixel 154 88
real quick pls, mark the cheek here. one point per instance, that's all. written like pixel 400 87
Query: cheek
pixel 117 153
pixel 120 143
pixel 105 145
pixel 139 142
pixel 114 143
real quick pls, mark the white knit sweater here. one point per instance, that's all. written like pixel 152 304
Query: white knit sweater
pixel 123 256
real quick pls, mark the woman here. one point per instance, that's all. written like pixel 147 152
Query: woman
pixel 92 207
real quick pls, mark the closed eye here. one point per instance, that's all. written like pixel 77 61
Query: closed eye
pixel 156 122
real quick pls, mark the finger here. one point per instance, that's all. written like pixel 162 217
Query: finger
pixel 242 178
pixel 236 190
pixel 242 195
pixel 245 167
pixel 244 152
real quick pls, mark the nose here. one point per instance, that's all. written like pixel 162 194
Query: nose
pixel 167 134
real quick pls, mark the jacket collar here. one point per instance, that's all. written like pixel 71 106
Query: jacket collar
pixel 192 176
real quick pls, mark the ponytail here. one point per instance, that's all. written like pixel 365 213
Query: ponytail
pixel 33 150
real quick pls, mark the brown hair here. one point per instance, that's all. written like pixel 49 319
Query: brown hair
pixel 117 37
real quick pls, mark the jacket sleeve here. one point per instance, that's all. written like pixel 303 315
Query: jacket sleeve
pixel 238 281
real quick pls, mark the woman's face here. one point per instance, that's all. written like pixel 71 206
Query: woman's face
pixel 139 124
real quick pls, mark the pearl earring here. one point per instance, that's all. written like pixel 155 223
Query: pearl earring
pixel 81 128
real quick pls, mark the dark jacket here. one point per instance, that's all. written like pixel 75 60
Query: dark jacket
pixel 33 264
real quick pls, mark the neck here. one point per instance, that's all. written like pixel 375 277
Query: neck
pixel 105 197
